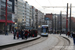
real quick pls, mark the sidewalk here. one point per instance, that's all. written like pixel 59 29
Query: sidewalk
pixel 6 40
pixel 71 46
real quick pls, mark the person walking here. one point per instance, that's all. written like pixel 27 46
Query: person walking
pixel 22 34
pixel 6 33
pixel 26 34
pixel 73 35
pixel 68 33
pixel 29 33
pixel 15 33
pixel 36 33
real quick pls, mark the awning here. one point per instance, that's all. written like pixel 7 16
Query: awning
pixel 8 21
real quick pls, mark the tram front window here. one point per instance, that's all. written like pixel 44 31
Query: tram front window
pixel 44 30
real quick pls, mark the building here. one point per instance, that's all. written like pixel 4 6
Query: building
pixel 48 20
pixel 36 18
pixel 2 15
pixel 63 22
pixel 40 18
pixel 30 20
pixel 13 5
pixel 72 23
pixel 19 14
pixel 27 13
pixel 33 17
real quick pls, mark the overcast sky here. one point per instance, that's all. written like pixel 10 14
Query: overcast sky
pixel 40 3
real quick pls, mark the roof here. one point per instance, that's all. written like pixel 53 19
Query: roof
pixel 73 19
pixel 44 25
pixel 49 16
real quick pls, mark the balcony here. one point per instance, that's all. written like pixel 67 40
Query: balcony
pixel 7 1
pixel 3 0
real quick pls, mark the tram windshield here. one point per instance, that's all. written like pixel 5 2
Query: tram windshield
pixel 44 29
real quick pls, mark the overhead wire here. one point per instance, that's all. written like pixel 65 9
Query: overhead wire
pixel 38 3
pixel 49 2
pixel 41 6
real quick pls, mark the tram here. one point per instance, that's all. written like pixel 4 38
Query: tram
pixel 44 30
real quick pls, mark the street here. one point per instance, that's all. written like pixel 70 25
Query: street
pixel 53 42
pixel 23 23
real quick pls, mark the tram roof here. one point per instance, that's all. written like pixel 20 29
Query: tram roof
pixel 44 25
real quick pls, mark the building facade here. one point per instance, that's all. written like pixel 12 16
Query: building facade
pixel 2 15
pixel 19 13
pixel 27 13
pixel 54 20
pixel 30 20
pixel 40 17
pixel 33 17
pixel 48 20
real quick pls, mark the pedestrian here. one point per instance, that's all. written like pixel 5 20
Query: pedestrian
pixel 26 34
pixel 15 33
pixel 68 33
pixel 36 33
pixel 29 33
pixel 73 35
pixel 12 31
pixel 6 32
pixel 22 34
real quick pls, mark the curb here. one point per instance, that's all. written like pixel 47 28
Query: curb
pixel 9 45
pixel 67 39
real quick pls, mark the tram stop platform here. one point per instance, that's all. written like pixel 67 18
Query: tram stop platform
pixel 7 40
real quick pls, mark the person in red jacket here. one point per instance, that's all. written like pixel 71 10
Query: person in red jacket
pixel 36 33
pixel 68 33
pixel 26 34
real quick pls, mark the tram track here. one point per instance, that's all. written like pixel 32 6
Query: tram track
pixel 35 43
pixel 61 44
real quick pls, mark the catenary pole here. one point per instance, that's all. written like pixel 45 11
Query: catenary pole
pixel 67 20
pixel 6 18
pixel 70 18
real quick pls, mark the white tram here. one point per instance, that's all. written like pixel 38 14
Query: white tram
pixel 44 30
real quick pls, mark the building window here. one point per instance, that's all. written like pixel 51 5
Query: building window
pixel 23 16
pixel 22 19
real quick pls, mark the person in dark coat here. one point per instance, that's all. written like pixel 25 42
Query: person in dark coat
pixel 29 33
pixel 15 33
pixel 36 33
pixel 73 35
pixel 22 34
pixel 6 33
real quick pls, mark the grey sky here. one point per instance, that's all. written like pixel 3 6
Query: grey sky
pixel 39 3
